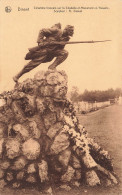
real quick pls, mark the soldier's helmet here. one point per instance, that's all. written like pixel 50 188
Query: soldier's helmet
pixel 58 25
pixel 69 29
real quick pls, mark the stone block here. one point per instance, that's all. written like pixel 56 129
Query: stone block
pixel 64 157
pixel 48 191
pixel 49 119
pixel 88 161
pixel 2 102
pixel 9 176
pixel 16 185
pixel 92 179
pixel 76 184
pixel 60 92
pixel 18 95
pixel 75 162
pixel 60 143
pixel 19 163
pixel 2 183
pixel 6 115
pixel 20 175
pixel 21 130
pixel 54 129
pixel 46 91
pixel 43 171
pixel 65 187
pixel 19 115
pixel 39 76
pixel 12 148
pixel 108 183
pixel 27 105
pixel 31 168
pixel 55 78
pixel 4 164
pixel 40 105
pixel 31 149
pixel 68 176
pixel 78 174
pixel 34 130
pixel 31 178
pixel 39 122
pixel 27 86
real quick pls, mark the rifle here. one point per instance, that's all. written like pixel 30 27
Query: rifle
pixel 44 44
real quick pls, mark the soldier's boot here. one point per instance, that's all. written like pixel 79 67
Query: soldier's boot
pixel 28 67
pixel 16 77
pixel 59 59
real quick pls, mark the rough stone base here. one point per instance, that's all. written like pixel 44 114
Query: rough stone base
pixel 41 139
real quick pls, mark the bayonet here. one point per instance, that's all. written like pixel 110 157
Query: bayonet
pixel 71 42
pixel 45 44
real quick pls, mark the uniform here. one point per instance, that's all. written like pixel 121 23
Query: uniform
pixel 47 53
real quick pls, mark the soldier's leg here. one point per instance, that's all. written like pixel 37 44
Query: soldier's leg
pixel 28 67
pixel 60 55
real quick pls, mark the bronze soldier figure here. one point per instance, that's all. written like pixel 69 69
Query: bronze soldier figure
pixel 45 53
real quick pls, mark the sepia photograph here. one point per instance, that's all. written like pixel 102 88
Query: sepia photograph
pixel 60 97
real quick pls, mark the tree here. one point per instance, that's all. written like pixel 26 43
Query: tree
pixel 74 95
pixel 95 95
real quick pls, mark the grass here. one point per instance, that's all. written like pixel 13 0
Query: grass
pixel 106 127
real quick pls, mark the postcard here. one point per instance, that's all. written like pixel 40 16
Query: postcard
pixel 60 78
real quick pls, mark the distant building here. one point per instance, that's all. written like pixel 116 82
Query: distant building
pixel 84 107
pixel 112 101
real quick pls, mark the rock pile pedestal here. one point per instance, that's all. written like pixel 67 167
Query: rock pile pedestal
pixel 42 141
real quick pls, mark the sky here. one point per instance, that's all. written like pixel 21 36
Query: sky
pixel 95 66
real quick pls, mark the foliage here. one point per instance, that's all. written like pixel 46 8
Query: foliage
pixel 74 94
pixel 95 95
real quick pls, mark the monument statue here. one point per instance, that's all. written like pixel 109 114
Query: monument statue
pixel 51 43
pixel 43 53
